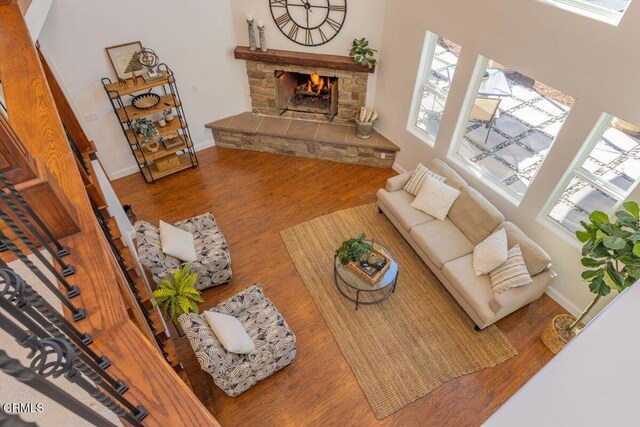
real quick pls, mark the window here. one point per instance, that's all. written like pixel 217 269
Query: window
pixel 605 175
pixel 440 57
pixel 608 10
pixel 511 121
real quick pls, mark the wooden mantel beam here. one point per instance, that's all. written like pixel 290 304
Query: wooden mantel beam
pixel 36 121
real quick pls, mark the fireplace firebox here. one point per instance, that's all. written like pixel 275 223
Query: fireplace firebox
pixel 307 93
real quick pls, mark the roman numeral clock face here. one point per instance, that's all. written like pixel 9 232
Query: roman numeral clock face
pixel 309 22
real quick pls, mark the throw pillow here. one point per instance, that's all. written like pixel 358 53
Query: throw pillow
pixel 490 253
pixel 414 184
pixel 512 273
pixel 230 332
pixel 435 198
pixel 177 243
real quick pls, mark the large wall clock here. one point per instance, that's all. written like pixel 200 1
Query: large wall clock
pixel 309 22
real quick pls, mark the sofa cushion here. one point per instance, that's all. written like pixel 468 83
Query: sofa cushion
pixel 418 176
pixel 476 217
pixel 399 205
pixel 441 241
pixel 515 298
pixel 535 258
pixel 230 332
pixel 491 253
pixel 476 290
pixel 435 198
pixel 512 273
pixel 452 178
pixel 177 243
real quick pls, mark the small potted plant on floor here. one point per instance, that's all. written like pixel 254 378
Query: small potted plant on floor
pixel 177 295
pixel 611 255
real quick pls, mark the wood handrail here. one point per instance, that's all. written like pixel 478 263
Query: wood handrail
pixel 36 121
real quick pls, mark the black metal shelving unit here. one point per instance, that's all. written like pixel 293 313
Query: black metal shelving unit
pixel 175 138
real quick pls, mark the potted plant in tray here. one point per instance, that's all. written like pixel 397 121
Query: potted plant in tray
pixel 149 133
pixel 176 295
pixel 353 249
pixel 611 255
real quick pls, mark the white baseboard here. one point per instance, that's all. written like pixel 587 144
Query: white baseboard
pixel 564 302
pixel 396 167
pixel 130 170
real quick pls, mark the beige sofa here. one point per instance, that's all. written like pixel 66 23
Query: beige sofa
pixel 447 246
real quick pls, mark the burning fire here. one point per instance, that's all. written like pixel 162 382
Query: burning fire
pixel 317 83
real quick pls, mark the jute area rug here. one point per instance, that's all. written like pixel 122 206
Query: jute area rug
pixel 406 346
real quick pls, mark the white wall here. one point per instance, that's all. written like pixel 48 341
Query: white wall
pixel 365 18
pixel 573 389
pixel 595 62
pixel 36 16
pixel 194 38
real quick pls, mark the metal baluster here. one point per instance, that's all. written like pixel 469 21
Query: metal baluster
pixel 67 269
pixel 16 289
pixel 62 251
pixel 13 367
pixel 12 420
pixel 72 290
pixel 78 313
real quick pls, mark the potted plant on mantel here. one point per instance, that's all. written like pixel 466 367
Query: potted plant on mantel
pixel 177 295
pixel 611 254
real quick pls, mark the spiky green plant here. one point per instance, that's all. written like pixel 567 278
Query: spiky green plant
pixel 177 294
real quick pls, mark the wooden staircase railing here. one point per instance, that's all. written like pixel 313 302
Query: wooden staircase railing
pixel 36 120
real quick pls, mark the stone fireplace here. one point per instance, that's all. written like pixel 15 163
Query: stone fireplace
pixel 303 104
pixel 306 93
pixel 275 75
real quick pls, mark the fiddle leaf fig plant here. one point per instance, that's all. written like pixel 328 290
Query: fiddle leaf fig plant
pixel 362 53
pixel 176 295
pixel 353 249
pixel 610 253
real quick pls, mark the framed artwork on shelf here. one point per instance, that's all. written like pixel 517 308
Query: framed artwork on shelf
pixel 125 60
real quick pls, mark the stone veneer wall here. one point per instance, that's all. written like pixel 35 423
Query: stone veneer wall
pixel 352 90
pixel 370 156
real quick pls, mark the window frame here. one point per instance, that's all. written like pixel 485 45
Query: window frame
pixel 576 170
pixel 422 84
pixel 590 10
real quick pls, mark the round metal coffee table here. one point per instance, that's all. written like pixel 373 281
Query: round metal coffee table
pixel 360 290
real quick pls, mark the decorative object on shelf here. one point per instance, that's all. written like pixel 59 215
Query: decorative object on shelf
pixel 148 58
pixel 124 60
pixel 145 101
pixel 353 249
pixel 252 32
pixel 365 121
pixel 263 40
pixel 146 129
pixel 177 295
pixel 611 254
pixel 166 99
pixel 362 53
pixel 309 24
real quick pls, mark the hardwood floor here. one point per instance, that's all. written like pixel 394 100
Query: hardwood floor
pixel 256 195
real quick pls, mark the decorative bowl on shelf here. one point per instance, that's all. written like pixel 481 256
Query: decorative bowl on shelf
pixel 145 101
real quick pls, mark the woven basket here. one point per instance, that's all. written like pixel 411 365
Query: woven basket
pixel 550 336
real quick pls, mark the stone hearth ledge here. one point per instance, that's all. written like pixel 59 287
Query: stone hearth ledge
pixel 306 138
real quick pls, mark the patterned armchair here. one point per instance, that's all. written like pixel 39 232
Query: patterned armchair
pixel 274 340
pixel 213 265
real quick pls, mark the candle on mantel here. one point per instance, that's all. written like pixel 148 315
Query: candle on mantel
pixel 249 17
pixel 260 24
